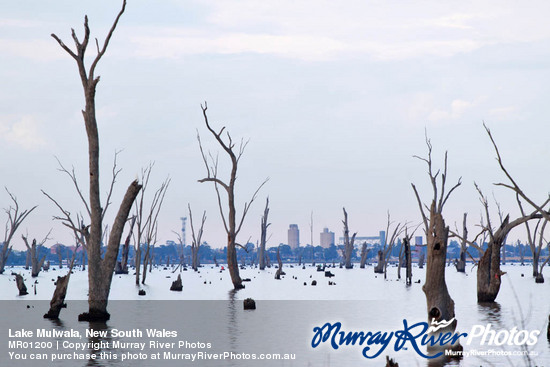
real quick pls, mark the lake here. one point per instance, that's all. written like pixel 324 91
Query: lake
pixel 208 317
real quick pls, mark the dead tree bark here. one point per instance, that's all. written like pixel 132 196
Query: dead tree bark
pixel 263 235
pixel 348 242
pixel 364 254
pixel 440 305
pixel 100 271
pixel 21 285
pixel 33 250
pixel 196 240
pixel 536 249
pixel 15 218
pixel 232 228
pixel 28 260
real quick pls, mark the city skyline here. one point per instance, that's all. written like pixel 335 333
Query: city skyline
pixel 335 99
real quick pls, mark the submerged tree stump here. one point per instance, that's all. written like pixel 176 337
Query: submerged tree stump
pixel 21 285
pixel 379 268
pixel 249 304
pixel 177 285
pixel 539 278
pixel 58 299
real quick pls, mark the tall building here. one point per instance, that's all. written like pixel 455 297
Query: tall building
pixel 293 236
pixel 327 238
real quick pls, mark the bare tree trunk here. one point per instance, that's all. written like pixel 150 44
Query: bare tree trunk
pixel 364 254
pixel 196 239
pixel 15 218
pixel 58 298
pixel 440 305
pixel 439 302
pixel 231 227
pixel 100 271
pixel 263 236
pixel 461 263
pixel 408 260
pixel 33 251
pixel 137 262
pixel 348 243
pixel 21 285
pixel 59 256
pixel 279 271
pixel 379 268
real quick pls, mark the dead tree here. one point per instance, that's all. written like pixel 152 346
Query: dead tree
pixel 20 282
pixel 196 240
pixel 536 248
pixel 279 271
pixel 440 305
pixel 461 262
pixel 348 242
pixel 58 299
pixel 388 246
pixel 488 270
pixel 408 260
pixel 100 270
pixel 405 256
pixel 513 185
pixel 34 253
pixel 263 235
pixel 364 254
pixel 28 260
pixel 147 222
pixel 379 268
pixel 15 218
pixel 231 225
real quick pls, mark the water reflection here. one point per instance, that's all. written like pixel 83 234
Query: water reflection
pixel 490 312
pixel 95 342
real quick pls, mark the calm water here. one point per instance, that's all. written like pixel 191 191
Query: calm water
pixel 286 312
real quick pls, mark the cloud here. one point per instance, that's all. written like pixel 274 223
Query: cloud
pixel 456 110
pixel 24 132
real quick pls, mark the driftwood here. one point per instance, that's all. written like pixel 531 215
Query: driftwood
pixel 19 281
pixel 177 285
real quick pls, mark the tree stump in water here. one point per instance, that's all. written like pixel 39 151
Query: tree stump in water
pixel 21 285
pixel 249 304
pixel 58 298
pixel 176 285
pixel 539 278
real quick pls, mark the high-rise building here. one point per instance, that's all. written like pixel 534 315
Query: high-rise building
pixel 327 238
pixel 418 241
pixel 293 236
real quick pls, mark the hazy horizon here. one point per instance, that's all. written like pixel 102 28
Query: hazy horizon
pixel 334 97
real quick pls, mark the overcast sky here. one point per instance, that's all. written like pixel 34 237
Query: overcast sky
pixel 335 98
